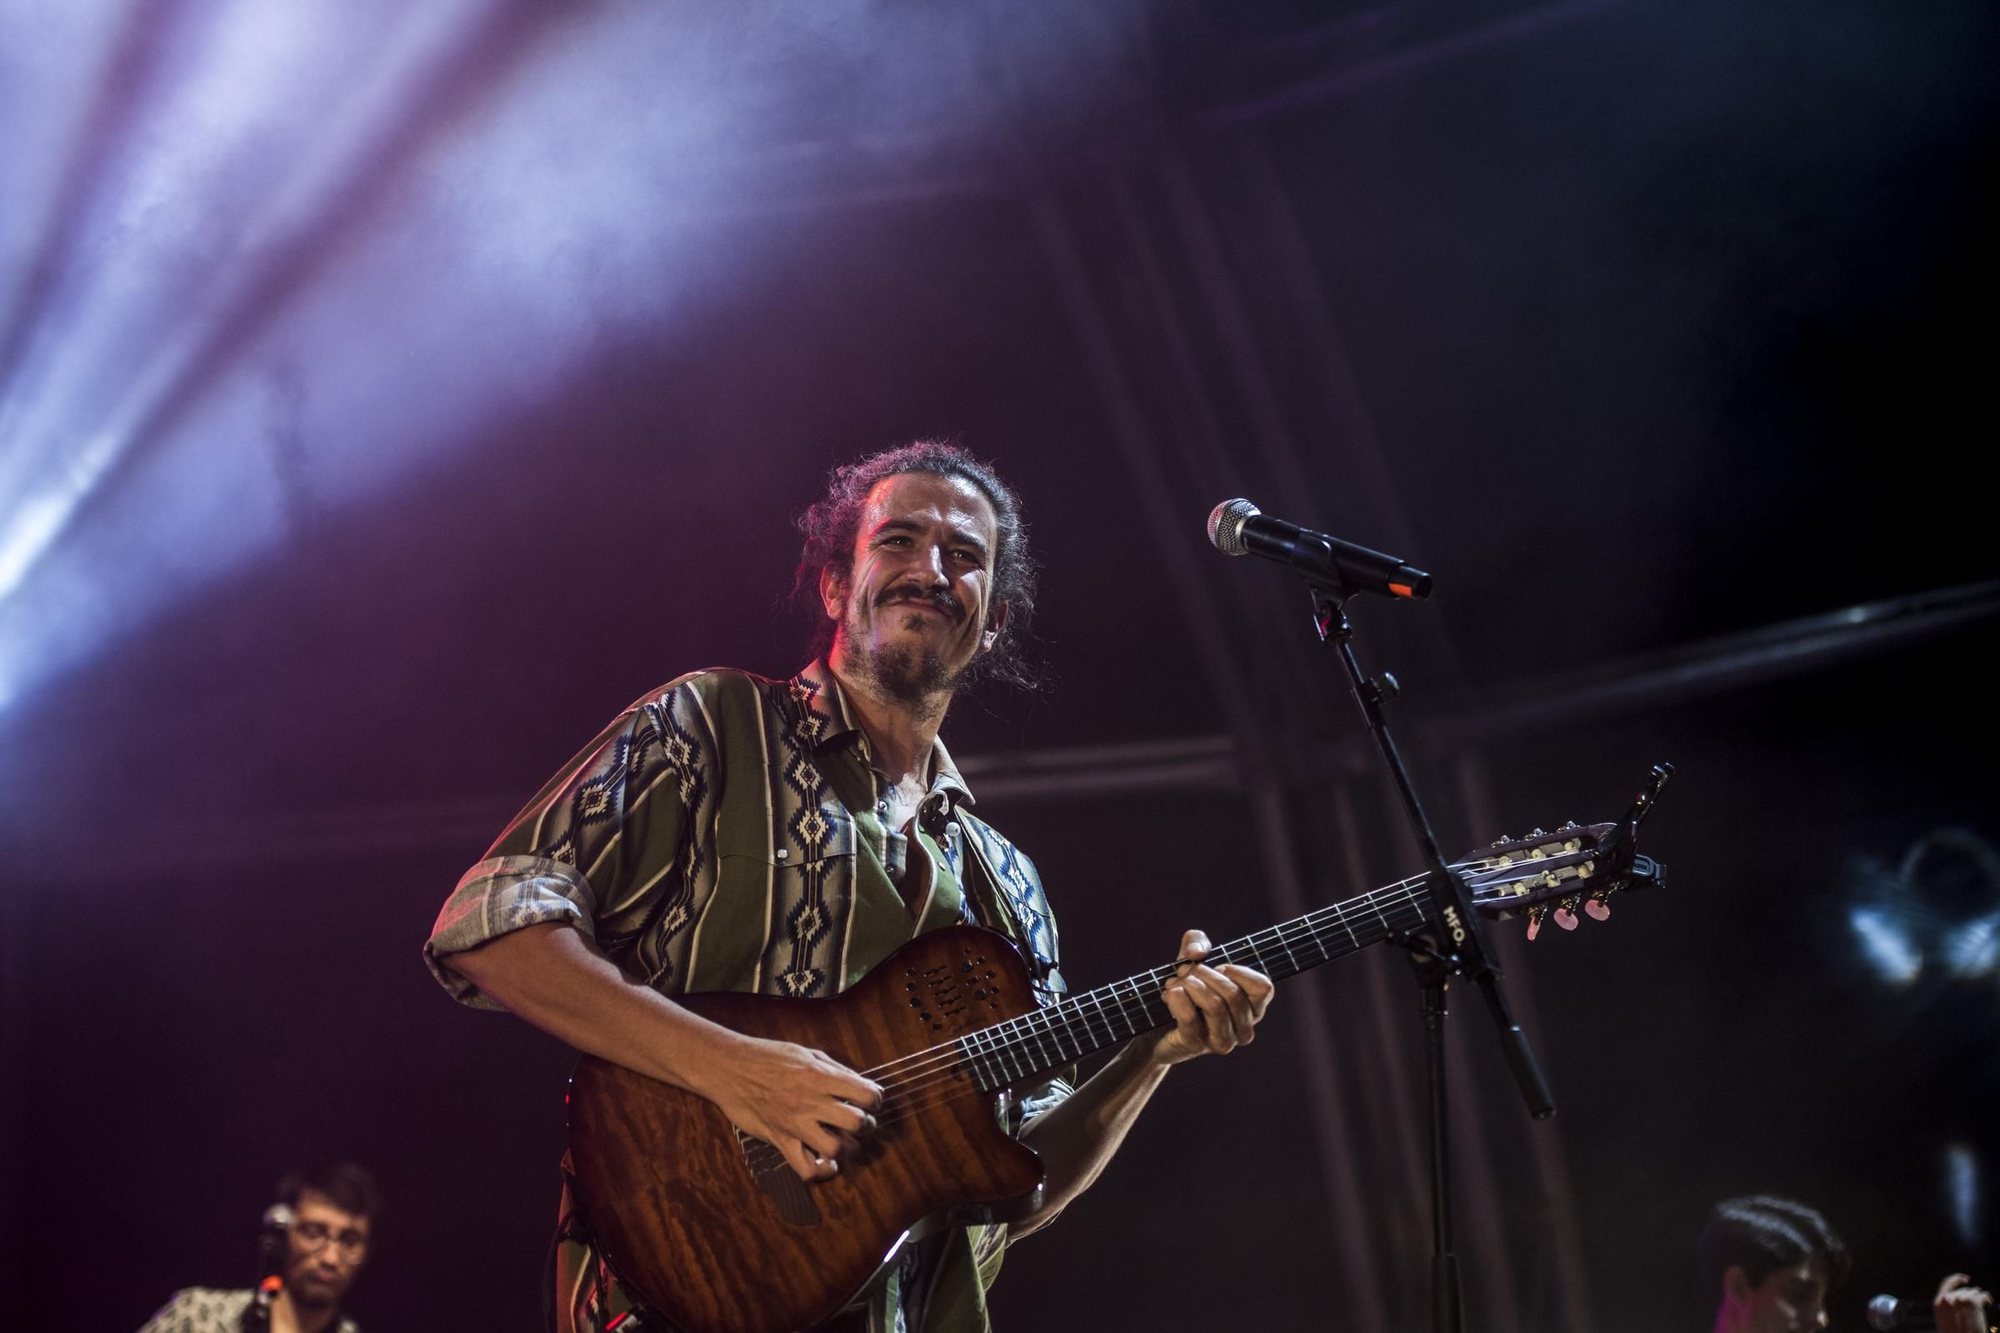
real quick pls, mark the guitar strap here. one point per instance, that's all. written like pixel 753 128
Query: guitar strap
pixel 1011 903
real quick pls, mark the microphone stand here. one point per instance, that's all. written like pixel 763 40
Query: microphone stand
pixel 1450 943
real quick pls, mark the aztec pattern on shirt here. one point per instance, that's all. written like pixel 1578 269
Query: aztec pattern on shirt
pixel 211 1310
pixel 707 840
pixel 729 833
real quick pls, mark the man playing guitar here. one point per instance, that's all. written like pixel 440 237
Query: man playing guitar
pixel 730 833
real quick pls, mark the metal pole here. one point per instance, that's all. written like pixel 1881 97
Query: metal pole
pixel 1551 1164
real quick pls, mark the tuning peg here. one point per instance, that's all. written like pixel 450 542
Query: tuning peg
pixel 1597 908
pixel 1502 840
pixel 1565 913
pixel 1570 825
pixel 1535 915
pixel 1538 833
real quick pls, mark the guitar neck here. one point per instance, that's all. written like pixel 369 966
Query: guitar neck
pixel 1038 1043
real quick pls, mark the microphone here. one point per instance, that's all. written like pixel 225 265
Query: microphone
pixel 271 1237
pixel 271 1251
pixel 1238 527
pixel 1886 1312
pixel 277 1221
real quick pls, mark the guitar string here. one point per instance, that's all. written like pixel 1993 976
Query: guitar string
pixel 1081 1016
pixel 943 1064
pixel 1257 945
pixel 929 1093
pixel 1262 947
pixel 1362 905
pixel 1044 1023
pixel 1077 1020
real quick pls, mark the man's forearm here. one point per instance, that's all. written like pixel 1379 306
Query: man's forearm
pixel 1078 1138
pixel 1214 1011
pixel 803 1102
pixel 557 978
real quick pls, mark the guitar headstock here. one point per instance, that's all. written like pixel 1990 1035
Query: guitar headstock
pixel 1576 868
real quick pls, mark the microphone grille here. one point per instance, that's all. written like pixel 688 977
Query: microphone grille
pixel 1225 525
pixel 1883 1312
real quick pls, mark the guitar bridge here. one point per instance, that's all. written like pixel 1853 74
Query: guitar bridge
pixel 780 1184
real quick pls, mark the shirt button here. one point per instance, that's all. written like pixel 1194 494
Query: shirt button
pixel 782 853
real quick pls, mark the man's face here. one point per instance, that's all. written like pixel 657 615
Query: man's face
pixel 324 1250
pixel 1788 1300
pixel 916 608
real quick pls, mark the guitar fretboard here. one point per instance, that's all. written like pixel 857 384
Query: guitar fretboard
pixel 1081 1025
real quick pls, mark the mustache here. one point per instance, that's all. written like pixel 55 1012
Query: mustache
pixel 911 593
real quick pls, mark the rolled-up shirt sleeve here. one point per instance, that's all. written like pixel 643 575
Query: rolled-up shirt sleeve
pixel 496 897
pixel 594 848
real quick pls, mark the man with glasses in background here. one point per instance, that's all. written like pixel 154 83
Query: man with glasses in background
pixel 314 1257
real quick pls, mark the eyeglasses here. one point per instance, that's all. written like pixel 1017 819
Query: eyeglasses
pixel 351 1241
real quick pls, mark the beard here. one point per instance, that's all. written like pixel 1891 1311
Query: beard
pixel 908 673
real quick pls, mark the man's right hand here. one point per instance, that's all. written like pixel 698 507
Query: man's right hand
pixel 803 1102
pixel 1960 1307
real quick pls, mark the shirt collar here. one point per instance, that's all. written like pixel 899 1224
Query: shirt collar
pixel 822 716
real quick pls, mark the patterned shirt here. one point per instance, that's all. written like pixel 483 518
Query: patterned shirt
pixel 728 832
pixel 210 1310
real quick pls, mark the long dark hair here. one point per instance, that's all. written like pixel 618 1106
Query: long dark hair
pixel 832 523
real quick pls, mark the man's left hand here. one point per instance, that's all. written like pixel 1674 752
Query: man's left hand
pixel 1215 1009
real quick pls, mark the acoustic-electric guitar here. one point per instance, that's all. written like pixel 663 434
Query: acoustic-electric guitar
pixel 714 1233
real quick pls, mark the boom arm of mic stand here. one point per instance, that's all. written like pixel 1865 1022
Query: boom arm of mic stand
pixel 1514 1045
pixel 1452 905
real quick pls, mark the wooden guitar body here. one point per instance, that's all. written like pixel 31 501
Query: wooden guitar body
pixel 687 1222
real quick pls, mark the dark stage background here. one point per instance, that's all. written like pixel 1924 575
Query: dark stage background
pixel 363 449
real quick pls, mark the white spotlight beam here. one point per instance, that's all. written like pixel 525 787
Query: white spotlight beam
pixel 281 230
